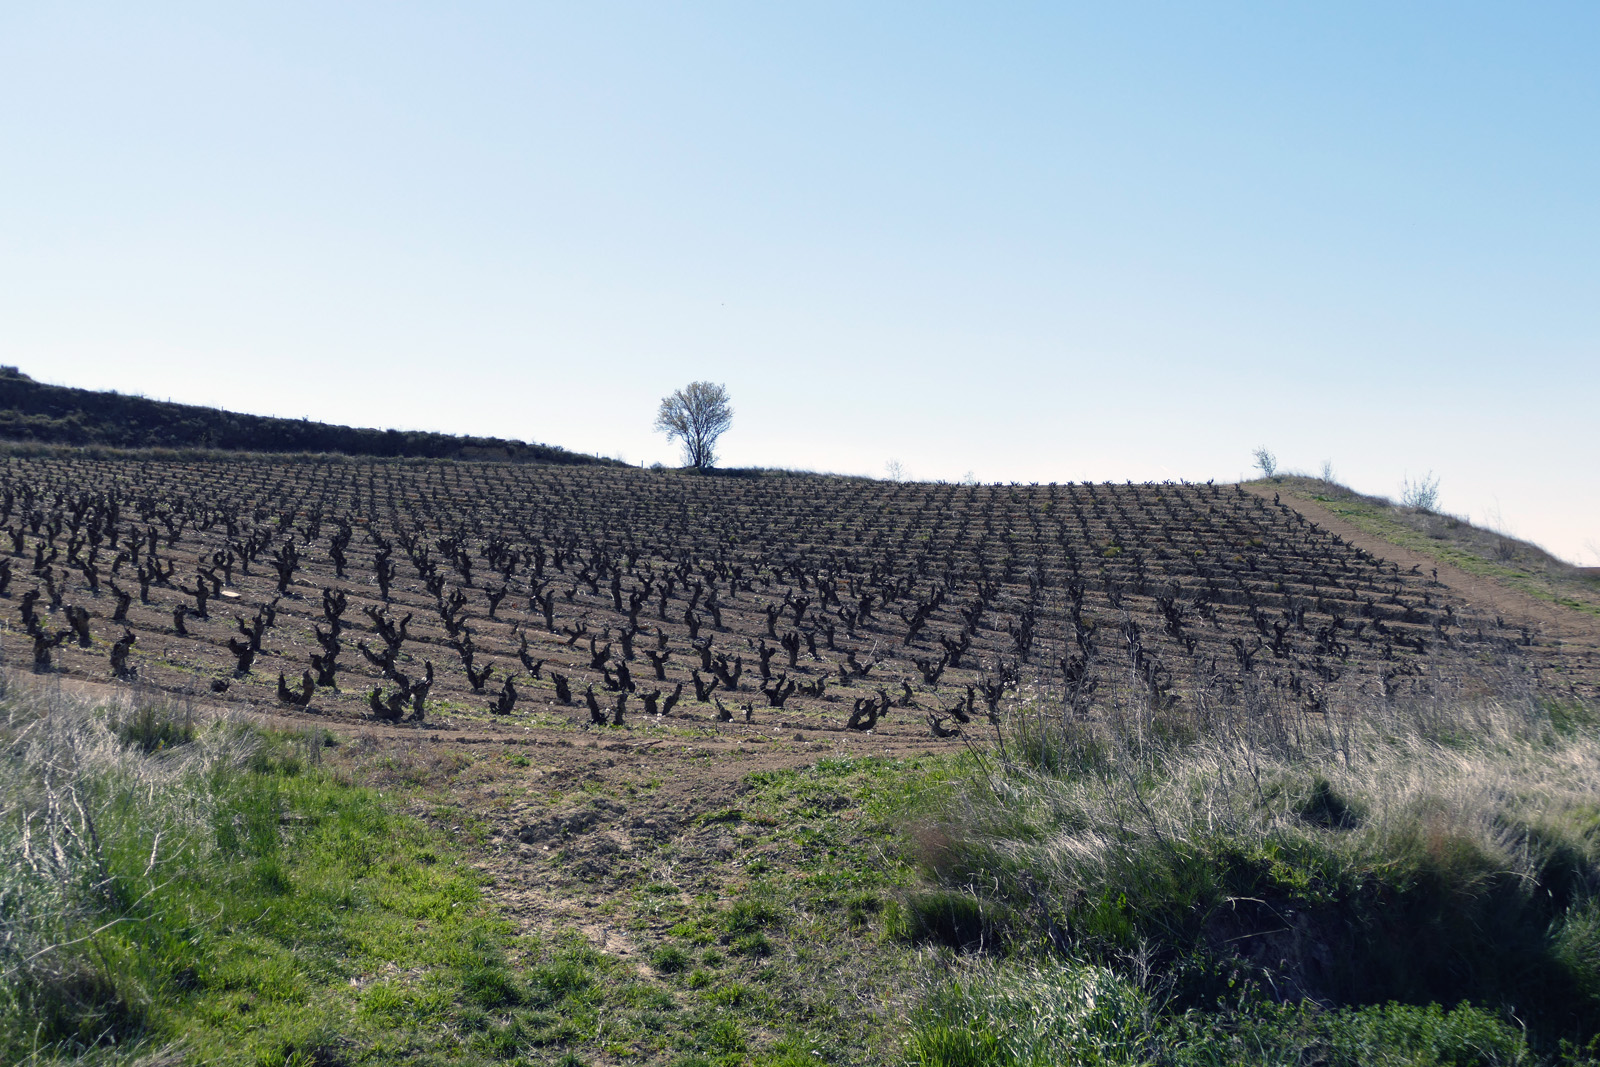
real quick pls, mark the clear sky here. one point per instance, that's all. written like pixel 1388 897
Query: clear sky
pixel 1033 243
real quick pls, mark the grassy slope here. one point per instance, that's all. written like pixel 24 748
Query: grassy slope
pixel 1517 564
pixel 773 946
pixel 336 905
pixel 241 904
pixel 1219 895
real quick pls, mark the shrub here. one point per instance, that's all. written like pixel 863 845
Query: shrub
pixel 1422 494
pixel 150 727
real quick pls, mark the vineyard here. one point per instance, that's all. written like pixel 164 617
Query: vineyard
pixel 760 768
pixel 564 598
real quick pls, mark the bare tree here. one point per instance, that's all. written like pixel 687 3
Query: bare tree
pixel 696 415
pixel 1266 462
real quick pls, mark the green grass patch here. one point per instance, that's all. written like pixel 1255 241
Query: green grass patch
pixel 779 959
pixel 1074 1012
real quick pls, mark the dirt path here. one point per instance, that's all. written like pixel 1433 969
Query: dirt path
pixel 1575 631
pixel 746 747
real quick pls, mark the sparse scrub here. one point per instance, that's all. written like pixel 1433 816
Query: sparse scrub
pixel 1422 494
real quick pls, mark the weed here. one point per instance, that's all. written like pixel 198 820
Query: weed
pixel 669 959
pixel 151 728
pixel 751 914
pixel 954 918
pixel 755 944
pixel 861 907
pixel 491 986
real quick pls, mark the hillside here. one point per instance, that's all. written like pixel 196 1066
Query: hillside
pixel 810 770
pixel 53 414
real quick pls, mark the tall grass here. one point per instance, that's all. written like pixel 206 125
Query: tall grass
pixel 1435 853
pixel 98 809
pixel 179 886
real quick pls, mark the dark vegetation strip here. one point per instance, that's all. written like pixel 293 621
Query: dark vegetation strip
pixel 53 414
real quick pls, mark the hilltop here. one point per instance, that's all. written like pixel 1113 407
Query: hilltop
pixel 53 414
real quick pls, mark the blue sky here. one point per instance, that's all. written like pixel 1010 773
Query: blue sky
pixel 1053 242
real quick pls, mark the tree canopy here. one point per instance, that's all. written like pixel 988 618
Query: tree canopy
pixel 697 415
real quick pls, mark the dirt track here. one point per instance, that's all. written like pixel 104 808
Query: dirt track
pixel 1576 633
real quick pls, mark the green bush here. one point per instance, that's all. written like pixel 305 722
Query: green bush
pixel 151 728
